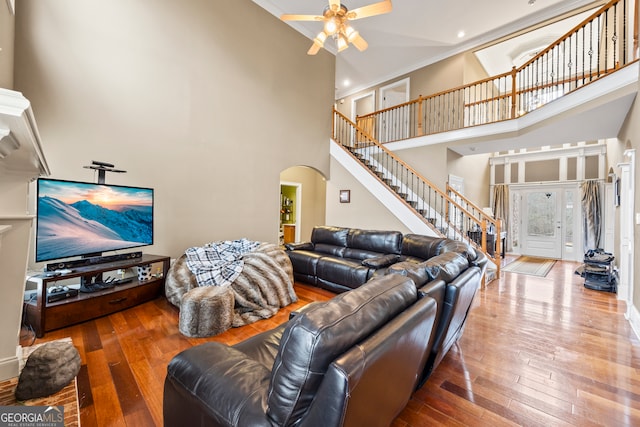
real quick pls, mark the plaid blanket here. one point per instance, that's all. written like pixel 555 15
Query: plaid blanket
pixel 218 263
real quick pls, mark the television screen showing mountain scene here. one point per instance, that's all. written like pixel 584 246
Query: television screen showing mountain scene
pixel 78 218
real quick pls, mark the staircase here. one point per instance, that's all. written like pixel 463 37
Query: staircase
pixel 606 43
pixel 445 214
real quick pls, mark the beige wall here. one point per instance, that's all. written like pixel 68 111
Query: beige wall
pixel 473 70
pixel 205 101
pixel 434 78
pixel 314 189
pixel 7 22
pixel 364 210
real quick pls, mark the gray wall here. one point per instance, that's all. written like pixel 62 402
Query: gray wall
pixel 205 101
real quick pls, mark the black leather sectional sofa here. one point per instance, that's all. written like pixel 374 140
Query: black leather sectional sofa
pixel 351 361
pixel 340 259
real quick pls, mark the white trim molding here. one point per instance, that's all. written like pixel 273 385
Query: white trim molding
pixel 633 316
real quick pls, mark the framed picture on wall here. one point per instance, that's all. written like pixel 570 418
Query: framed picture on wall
pixel 345 196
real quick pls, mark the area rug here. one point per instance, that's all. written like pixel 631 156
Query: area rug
pixel 67 397
pixel 530 265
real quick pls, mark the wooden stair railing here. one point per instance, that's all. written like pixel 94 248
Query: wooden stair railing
pixel 603 43
pixel 484 223
pixel 448 216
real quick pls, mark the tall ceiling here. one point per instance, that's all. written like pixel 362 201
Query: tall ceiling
pixel 420 32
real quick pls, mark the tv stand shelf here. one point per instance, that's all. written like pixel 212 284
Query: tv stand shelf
pixel 46 316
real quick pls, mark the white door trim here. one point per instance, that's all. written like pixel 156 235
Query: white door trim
pixel 298 208
pixel 355 100
pixel 627 197
pixel 404 82
pixel 560 188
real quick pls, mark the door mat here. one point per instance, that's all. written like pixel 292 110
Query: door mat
pixel 531 266
pixel 67 397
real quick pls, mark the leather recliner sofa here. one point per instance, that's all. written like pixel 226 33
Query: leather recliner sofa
pixel 340 259
pixel 353 360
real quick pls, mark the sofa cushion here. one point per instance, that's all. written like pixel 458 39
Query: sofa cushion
pixel 384 242
pixel 419 246
pixel 329 235
pixel 323 248
pixel 381 261
pixel 446 266
pixel 347 272
pixel 312 340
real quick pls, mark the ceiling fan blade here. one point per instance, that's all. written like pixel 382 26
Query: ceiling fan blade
pixel 360 43
pixel 288 17
pixel 370 10
pixel 315 48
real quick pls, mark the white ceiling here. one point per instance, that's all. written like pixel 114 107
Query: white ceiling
pixel 420 32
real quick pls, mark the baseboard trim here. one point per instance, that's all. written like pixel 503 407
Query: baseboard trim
pixel 9 368
pixel 633 316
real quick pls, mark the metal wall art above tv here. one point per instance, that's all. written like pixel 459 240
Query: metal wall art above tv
pixel 86 219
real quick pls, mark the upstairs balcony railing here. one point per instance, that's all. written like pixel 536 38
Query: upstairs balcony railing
pixel 604 42
pixel 448 214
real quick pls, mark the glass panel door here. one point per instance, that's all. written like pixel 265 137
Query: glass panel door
pixel 542 222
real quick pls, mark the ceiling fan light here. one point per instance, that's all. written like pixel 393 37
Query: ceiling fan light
pixel 342 43
pixel 330 26
pixel 350 33
pixel 320 38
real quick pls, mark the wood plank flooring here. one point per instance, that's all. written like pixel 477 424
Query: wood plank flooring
pixel 535 352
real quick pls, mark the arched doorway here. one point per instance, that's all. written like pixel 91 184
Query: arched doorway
pixel 303 198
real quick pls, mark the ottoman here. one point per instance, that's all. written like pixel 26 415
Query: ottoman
pixel 206 311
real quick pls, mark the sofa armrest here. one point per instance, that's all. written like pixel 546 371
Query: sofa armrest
pixel 303 309
pixel 226 386
pixel 301 246
pixel 381 261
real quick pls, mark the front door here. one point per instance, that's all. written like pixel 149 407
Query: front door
pixel 541 231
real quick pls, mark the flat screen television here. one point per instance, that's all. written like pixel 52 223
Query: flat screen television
pixel 86 219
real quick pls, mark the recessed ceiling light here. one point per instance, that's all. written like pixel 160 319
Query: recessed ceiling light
pixel 531 2
pixel 346 83
pixel 460 34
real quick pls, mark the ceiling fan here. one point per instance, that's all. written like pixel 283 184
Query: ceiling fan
pixel 336 19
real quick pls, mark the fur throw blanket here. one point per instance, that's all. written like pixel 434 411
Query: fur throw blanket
pixel 264 286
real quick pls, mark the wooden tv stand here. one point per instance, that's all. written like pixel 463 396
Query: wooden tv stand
pixel 46 316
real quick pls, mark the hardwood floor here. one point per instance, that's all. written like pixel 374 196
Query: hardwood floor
pixel 535 352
